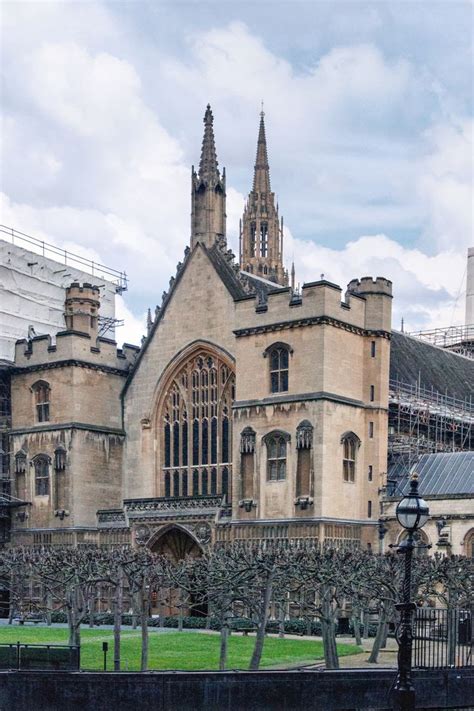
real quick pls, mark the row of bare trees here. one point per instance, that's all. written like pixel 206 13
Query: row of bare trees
pixel 251 581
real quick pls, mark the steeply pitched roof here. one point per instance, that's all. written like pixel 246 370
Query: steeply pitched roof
pixel 413 360
pixel 238 283
pixel 444 473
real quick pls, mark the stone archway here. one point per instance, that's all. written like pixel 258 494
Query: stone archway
pixel 176 543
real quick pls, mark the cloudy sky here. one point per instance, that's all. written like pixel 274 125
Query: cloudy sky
pixel 369 115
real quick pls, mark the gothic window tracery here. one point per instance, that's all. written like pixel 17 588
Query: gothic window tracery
pixel 350 444
pixel 41 465
pixel 276 443
pixel 263 239
pixel 41 393
pixel 196 428
pixel 279 356
pixel 253 234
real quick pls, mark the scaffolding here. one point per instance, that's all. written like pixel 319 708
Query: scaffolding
pixel 118 278
pixel 458 339
pixel 422 421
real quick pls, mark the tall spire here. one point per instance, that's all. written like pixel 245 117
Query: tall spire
pixel 208 217
pixel 208 170
pixel 261 231
pixel 261 177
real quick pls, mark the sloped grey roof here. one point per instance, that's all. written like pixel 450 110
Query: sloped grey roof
pixel 413 360
pixel 444 473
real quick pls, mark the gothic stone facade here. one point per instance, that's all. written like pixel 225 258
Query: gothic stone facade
pixel 251 411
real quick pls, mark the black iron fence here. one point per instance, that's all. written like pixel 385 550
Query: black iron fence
pixel 443 638
pixel 57 657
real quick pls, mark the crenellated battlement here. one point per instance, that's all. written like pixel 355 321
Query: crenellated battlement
pixel 368 285
pixel 366 304
pixel 74 346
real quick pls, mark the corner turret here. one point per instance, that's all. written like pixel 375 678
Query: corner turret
pixel 378 296
pixel 82 309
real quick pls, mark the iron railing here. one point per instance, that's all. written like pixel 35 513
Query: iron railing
pixel 57 657
pixel 443 638
pixel 51 251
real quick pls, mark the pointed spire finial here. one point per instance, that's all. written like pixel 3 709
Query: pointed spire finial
pixel 261 179
pixel 208 170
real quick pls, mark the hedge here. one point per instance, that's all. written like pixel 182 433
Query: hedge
pixel 293 626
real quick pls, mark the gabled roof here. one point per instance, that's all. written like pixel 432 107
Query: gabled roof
pixel 413 360
pixel 238 284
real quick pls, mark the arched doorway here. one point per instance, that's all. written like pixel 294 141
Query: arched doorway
pixel 177 544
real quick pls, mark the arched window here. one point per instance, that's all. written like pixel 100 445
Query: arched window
pixel 41 392
pixel 41 464
pixel 278 355
pixel 276 443
pixel 469 545
pixel 196 425
pixel 350 444
pixel 420 540
pixel 263 239
pixel 253 231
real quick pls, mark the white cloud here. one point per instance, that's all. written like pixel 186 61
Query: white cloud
pixel 134 327
pixel 427 289
pixel 98 157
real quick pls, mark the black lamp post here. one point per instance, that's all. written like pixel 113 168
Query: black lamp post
pixel 412 513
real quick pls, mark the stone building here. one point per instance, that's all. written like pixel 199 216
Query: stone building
pixel 251 411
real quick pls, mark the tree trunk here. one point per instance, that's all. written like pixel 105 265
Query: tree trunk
pixel 134 611
pixel 70 622
pixel 378 640
pixel 281 620
pixel 49 608
pixel 365 633
pixel 144 626
pixel 91 606
pixel 328 631
pixel 309 626
pixel 262 623
pixel 13 599
pixel 224 645
pixel 118 599
pixel 356 627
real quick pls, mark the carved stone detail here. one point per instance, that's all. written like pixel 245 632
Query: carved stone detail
pixel 304 435
pixel 247 441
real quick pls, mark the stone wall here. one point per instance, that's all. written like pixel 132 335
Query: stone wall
pixel 351 690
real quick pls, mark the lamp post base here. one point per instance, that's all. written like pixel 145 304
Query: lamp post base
pixel 403 700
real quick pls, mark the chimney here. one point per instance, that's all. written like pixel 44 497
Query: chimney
pixel 82 309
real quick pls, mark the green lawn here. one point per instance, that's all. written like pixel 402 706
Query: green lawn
pixel 175 650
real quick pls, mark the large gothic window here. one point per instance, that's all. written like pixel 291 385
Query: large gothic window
pixel 196 428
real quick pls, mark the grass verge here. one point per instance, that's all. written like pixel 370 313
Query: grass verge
pixel 190 651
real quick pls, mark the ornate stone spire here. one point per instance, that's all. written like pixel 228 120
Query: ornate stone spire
pixel 208 216
pixel 261 177
pixel 208 170
pixel 261 231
